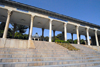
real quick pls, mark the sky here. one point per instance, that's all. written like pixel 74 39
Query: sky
pixel 86 10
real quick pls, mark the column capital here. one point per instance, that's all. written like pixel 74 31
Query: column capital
pixel 65 23
pixel 51 19
pixel 77 25
pixel 32 15
pixel 87 27
pixel 9 12
pixel 95 29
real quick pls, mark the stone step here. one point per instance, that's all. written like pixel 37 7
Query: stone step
pixel 53 58
pixel 49 54
pixel 43 55
pixel 89 64
pixel 40 55
pixel 20 56
pixel 61 52
pixel 49 64
pixel 44 50
pixel 45 59
pixel 95 66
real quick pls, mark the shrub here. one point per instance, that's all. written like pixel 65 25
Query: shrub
pixel 58 41
pixel 82 41
pixel 75 41
pixel 68 46
pixel 61 41
pixel 66 42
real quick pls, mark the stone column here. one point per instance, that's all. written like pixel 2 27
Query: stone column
pixel 77 31
pixel 31 28
pixel 50 30
pixel 65 32
pixel 96 37
pixel 42 34
pixel 7 24
pixel 72 37
pixel 54 35
pixel 87 31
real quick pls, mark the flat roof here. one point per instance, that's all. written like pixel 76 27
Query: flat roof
pixel 46 12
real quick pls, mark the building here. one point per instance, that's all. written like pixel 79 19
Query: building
pixel 36 37
pixel 14 12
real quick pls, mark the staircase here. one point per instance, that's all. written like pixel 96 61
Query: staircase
pixel 49 54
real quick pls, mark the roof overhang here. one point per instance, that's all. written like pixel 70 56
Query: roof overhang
pixel 46 12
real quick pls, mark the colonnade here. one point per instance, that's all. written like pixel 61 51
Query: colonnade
pixel 50 30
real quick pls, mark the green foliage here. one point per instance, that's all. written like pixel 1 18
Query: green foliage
pixel 46 38
pixel 75 41
pixel 9 35
pixel 12 32
pixel 58 41
pixel 70 40
pixel 22 28
pixel 61 41
pixel 19 28
pixel 82 41
pixel 26 36
pixel 1 33
pixel 2 25
pixel 68 46
pixel 20 36
pixel 59 36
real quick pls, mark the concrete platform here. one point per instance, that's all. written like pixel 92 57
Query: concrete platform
pixel 16 43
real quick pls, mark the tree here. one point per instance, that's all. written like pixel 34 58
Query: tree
pixel 59 36
pixel 14 29
pixel 20 28
pixel 82 41
pixel 46 38
pixel 2 27
pixel 75 41
pixel 70 40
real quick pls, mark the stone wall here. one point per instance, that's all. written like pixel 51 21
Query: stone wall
pixel 97 48
pixel 16 43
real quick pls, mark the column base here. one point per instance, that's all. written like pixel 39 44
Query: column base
pixel 31 44
pixel 2 42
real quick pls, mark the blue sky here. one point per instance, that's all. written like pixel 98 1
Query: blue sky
pixel 86 10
